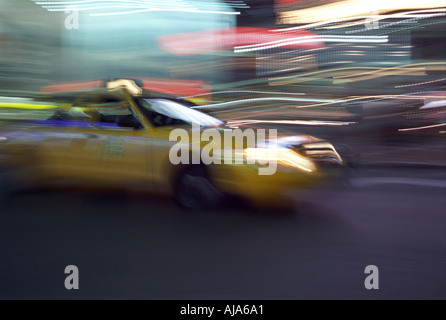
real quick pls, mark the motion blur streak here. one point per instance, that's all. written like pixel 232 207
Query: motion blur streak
pixel 173 10
pixel 247 91
pixel 236 102
pixel 328 24
pixel 353 8
pixel 144 6
pixel 312 40
pixel 361 182
pixel 348 73
pixel 228 38
pixel 424 127
pixel 420 83
pixel 301 122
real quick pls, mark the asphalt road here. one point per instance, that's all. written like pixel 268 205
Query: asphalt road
pixel 133 247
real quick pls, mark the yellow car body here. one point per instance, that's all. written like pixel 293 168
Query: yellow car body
pixel 105 138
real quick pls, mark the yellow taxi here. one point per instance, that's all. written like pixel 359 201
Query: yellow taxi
pixel 123 136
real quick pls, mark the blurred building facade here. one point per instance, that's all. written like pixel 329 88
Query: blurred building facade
pixel 380 49
pixel 41 44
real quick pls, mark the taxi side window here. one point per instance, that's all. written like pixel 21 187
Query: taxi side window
pixel 159 119
pixel 111 113
pixel 72 114
pixel 99 112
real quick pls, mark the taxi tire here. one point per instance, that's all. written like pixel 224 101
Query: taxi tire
pixel 5 186
pixel 195 191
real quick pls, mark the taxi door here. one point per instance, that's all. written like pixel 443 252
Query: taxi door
pixel 123 148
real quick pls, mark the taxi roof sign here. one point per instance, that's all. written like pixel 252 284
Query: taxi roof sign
pixel 126 84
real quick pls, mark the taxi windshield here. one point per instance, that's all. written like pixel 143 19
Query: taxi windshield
pixel 162 112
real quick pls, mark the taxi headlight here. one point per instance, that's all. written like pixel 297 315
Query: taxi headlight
pixel 281 155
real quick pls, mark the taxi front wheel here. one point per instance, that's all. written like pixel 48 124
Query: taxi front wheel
pixel 194 190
